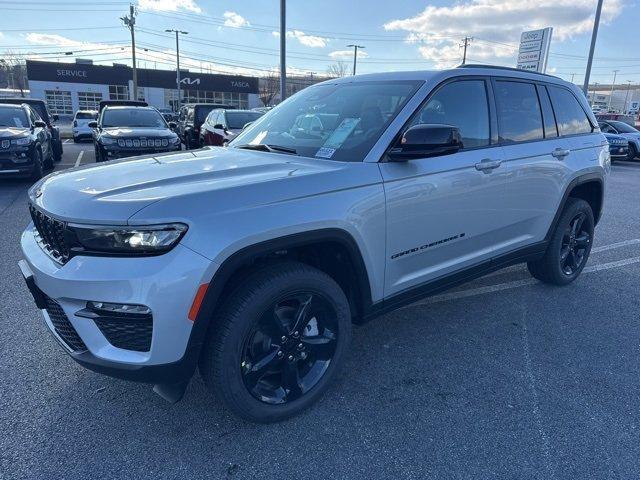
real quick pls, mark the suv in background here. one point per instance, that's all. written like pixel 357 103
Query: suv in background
pixel 190 120
pixel 222 126
pixel 25 142
pixel 127 131
pixel 354 197
pixel 618 146
pixel 625 130
pixel 40 107
pixel 81 129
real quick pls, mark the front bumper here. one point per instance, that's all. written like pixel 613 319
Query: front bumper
pixel 166 284
pixel 618 151
pixel 113 153
pixel 16 163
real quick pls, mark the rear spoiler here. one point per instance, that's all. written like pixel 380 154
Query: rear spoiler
pixel 121 103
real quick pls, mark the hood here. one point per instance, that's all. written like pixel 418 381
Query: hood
pixel 12 132
pixel 128 132
pixel 110 193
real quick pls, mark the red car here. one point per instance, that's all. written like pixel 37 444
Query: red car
pixel 222 126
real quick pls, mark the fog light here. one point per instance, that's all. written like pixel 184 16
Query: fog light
pixel 122 308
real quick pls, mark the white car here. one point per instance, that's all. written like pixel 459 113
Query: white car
pixel 81 128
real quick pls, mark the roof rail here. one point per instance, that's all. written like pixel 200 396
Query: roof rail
pixel 512 69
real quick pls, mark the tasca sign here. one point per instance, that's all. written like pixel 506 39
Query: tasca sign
pixel 534 49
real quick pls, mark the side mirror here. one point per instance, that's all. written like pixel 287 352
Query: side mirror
pixel 55 117
pixel 39 124
pixel 219 126
pixel 173 125
pixel 426 140
pixel 92 124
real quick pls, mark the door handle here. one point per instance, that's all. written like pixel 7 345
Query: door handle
pixel 560 153
pixel 486 165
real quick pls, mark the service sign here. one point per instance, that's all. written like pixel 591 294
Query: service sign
pixel 534 49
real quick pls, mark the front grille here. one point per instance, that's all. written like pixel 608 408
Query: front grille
pixel 50 235
pixel 143 142
pixel 63 327
pixel 129 334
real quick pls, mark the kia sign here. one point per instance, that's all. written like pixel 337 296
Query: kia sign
pixel 534 50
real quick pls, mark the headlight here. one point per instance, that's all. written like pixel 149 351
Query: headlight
pixel 108 141
pixel 21 141
pixel 143 240
pixel 174 140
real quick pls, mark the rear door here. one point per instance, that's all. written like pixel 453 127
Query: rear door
pixel 446 213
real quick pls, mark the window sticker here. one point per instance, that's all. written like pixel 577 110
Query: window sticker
pixel 325 152
pixel 341 133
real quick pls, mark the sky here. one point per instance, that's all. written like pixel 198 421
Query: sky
pixel 242 36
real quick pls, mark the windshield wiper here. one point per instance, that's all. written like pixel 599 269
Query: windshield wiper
pixel 268 148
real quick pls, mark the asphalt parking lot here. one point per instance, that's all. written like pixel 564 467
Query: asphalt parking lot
pixel 501 378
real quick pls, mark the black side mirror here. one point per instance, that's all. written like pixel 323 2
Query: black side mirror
pixel 426 140
pixel 55 117
pixel 39 124
pixel 173 125
pixel 92 124
pixel 219 126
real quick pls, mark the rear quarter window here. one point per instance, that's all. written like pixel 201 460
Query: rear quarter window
pixel 571 118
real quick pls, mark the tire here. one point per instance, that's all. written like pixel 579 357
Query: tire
pixel 98 155
pixel 76 140
pixel 633 153
pixel 255 315
pixel 50 159
pixel 570 245
pixel 57 151
pixel 38 165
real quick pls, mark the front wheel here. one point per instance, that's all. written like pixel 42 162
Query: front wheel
pixel 38 165
pixel 633 153
pixel 277 342
pixel 569 247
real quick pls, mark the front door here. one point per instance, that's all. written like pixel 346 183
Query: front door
pixel 445 213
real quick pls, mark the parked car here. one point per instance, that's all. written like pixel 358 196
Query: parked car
pixel 253 261
pixel 191 119
pixel 121 103
pixel 624 130
pixel 25 142
pixel 127 131
pixel 81 128
pixel 222 126
pixel 618 146
pixel 40 107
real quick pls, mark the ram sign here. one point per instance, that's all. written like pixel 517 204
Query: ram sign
pixel 534 49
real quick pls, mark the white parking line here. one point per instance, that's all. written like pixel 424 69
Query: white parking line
pixel 518 283
pixel 67 140
pixel 79 158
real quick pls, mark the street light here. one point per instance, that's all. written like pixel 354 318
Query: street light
pixel 177 32
pixel 355 55
pixel 615 73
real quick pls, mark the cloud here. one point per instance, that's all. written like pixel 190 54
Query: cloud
pixel 496 26
pixel 312 41
pixel 169 5
pixel 347 54
pixel 234 20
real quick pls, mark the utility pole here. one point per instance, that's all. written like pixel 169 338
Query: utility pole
pixel 592 48
pixel 465 43
pixel 177 32
pixel 130 22
pixel 615 72
pixel 626 97
pixel 283 50
pixel 355 55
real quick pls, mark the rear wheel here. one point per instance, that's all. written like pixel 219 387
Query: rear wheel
pixel 569 247
pixel 277 343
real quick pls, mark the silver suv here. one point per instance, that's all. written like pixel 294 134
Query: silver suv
pixel 352 198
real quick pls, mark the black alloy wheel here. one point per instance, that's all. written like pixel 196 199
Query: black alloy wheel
pixel 575 242
pixel 290 348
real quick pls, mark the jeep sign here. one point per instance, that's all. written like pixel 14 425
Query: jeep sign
pixel 534 50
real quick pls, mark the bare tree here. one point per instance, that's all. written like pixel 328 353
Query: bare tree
pixel 338 69
pixel 15 71
pixel 269 88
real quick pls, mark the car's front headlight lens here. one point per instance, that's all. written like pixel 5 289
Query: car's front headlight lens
pixel 108 141
pixel 21 141
pixel 142 240
pixel 174 140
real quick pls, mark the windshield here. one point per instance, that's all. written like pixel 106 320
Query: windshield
pixel 86 116
pixel 335 121
pixel 237 120
pixel 623 127
pixel 13 117
pixel 132 117
pixel 202 112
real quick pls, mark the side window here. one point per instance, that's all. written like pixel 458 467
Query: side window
pixel 550 127
pixel 462 104
pixel 569 114
pixel 519 115
pixel 606 128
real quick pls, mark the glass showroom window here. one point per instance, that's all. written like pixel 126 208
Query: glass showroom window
pixel 118 92
pixel 59 102
pixel 89 100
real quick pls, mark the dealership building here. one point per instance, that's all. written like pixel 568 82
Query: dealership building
pixel 68 87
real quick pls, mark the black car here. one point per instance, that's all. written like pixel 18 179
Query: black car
pixel 40 107
pixel 25 142
pixel 191 118
pixel 127 131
